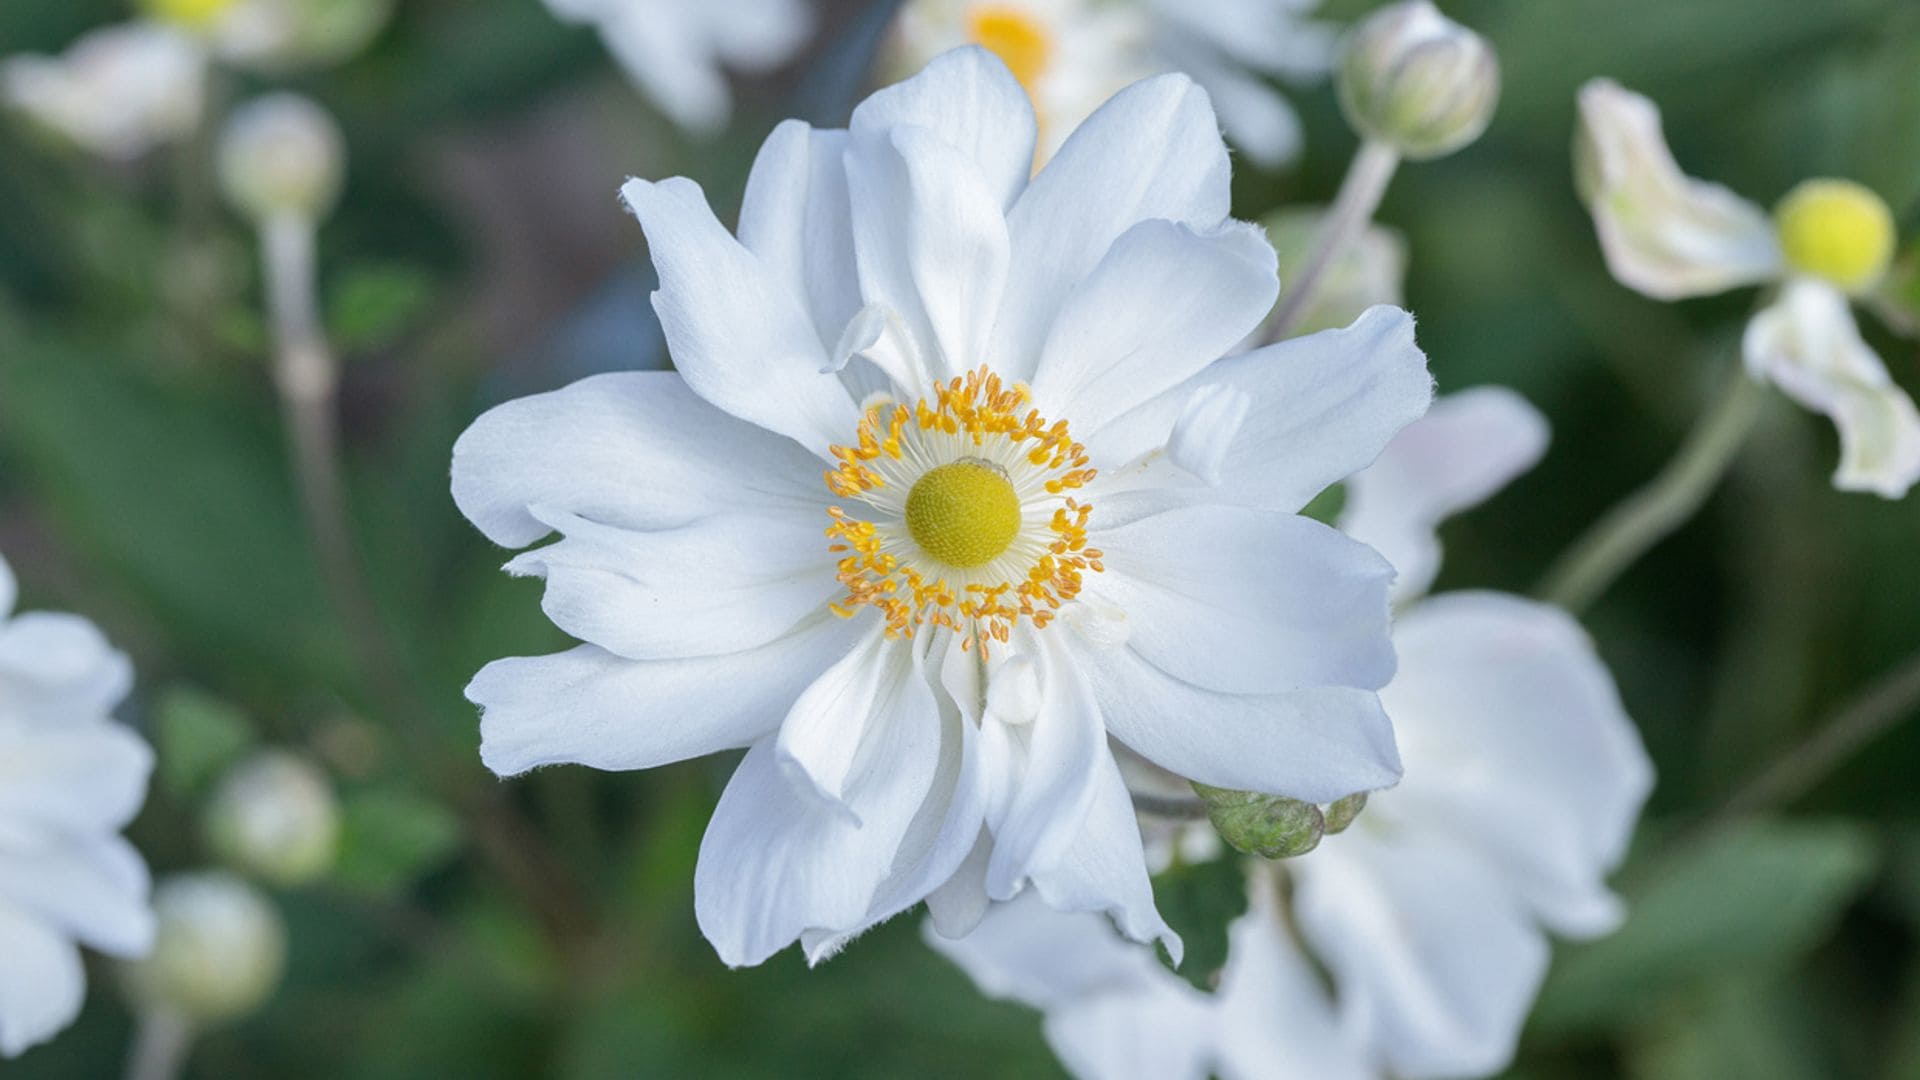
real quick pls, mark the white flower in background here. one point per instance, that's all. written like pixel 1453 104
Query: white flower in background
pixel 1670 236
pixel 1524 778
pixel 679 51
pixel 1072 55
pixel 118 92
pixel 275 35
pixel 70 779
pixel 1050 513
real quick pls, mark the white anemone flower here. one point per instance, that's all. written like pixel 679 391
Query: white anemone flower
pixel 1670 236
pixel 70 780
pixel 678 52
pixel 950 484
pixel 1072 55
pixel 1524 779
pixel 118 92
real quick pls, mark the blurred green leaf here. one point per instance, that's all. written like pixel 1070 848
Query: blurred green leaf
pixel 373 304
pixel 199 736
pixel 1753 897
pixel 1199 901
pixel 391 837
pixel 1735 1028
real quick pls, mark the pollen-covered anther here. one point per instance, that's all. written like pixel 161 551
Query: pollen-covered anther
pixel 970 524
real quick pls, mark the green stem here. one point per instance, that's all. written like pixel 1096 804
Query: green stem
pixel 1652 513
pixel 1352 211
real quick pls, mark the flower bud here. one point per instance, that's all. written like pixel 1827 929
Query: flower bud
pixel 1265 825
pixel 281 156
pixel 219 952
pixel 275 816
pixel 1342 813
pixel 1838 231
pixel 1418 81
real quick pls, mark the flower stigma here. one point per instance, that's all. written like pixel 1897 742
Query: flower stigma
pixel 969 518
pixel 1836 230
pixel 1016 37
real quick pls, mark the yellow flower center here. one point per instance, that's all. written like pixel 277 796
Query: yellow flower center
pixel 1016 37
pixel 1836 230
pixel 968 520
pixel 964 514
pixel 194 14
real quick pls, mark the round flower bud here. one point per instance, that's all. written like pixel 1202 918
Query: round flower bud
pixel 218 954
pixel 280 156
pixel 1836 230
pixel 1418 81
pixel 275 816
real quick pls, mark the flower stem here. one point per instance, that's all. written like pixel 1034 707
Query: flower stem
pixel 1170 808
pixel 161 1040
pixel 1353 209
pixel 1895 697
pixel 1650 514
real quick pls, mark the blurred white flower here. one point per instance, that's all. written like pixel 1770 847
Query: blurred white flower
pixel 70 780
pixel 1095 536
pixel 1524 779
pixel 275 815
pixel 1670 236
pixel 276 34
pixel 118 92
pixel 219 952
pixel 1072 55
pixel 679 51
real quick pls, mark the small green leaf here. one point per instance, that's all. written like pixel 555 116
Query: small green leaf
pixel 391 837
pixel 199 736
pixel 1199 901
pixel 373 304
pixel 1754 896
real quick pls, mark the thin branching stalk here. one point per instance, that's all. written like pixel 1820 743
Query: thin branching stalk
pixel 161 1042
pixel 1649 515
pixel 1352 211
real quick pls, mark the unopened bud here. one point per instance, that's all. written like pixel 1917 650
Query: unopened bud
pixel 1342 813
pixel 219 952
pixel 282 156
pixel 275 816
pixel 1265 825
pixel 1418 81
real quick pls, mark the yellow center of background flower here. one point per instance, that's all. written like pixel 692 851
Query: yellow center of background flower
pixel 964 514
pixel 1016 37
pixel 1836 230
pixel 195 14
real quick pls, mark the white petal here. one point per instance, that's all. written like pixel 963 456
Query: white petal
pixel 82 889
pixel 956 908
pixel 587 706
pixel 9 588
pixel 1514 735
pixel 1028 952
pixel 1808 345
pixel 59 669
pixel 1066 745
pixel 1276 1018
pixel 1163 1035
pixel 1435 962
pixel 1256 116
pixel 931 240
pixel 721 584
pixel 1324 406
pixel 1248 601
pixel 1317 745
pixel 778 861
pixel 1663 232
pixel 1469 446
pixel 42 984
pixel 1105 867
pixel 1153 151
pixel 77 779
pixel 970 101
pixel 659 47
pixel 797 217
pixel 737 333
pixel 636 450
pixel 825 733
pixel 1165 302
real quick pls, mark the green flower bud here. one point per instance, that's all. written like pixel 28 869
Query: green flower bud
pixel 1340 814
pixel 282 156
pixel 1418 81
pixel 1264 825
pixel 275 816
pixel 218 953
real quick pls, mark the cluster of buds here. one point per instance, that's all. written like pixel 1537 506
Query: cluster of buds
pixel 1274 827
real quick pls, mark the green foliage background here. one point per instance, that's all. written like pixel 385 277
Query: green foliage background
pixel 143 483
